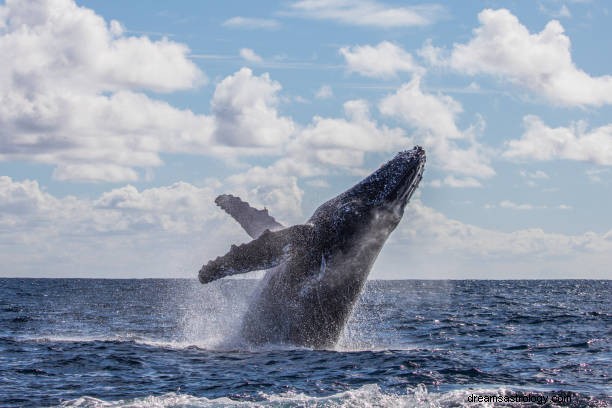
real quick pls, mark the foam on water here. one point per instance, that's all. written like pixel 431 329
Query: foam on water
pixel 367 396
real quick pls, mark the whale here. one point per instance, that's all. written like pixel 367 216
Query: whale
pixel 316 270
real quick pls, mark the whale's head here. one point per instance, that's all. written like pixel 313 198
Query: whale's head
pixel 390 187
pixel 378 201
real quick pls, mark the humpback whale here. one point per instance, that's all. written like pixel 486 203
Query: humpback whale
pixel 316 270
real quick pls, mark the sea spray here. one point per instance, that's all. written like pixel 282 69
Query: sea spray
pixel 212 314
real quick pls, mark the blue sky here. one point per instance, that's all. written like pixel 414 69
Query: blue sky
pixel 121 123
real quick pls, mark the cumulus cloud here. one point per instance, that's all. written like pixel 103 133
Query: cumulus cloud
pixel 57 43
pixel 382 61
pixel 244 107
pixel 69 93
pixel 431 54
pixel 267 187
pixel 349 138
pixel 575 142
pixel 541 62
pixel 436 113
pixel 434 117
pixel 250 55
pixel 251 23
pixel 367 13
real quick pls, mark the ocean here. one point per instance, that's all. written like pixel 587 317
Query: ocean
pixel 174 343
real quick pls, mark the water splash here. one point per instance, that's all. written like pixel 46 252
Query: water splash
pixel 212 314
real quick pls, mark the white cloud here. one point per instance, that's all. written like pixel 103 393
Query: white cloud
pixel 454 182
pixel 540 62
pixel 515 206
pixel 251 23
pixel 337 144
pixel 531 177
pixel 324 92
pixel 56 43
pixel 275 190
pixel 435 113
pixel 244 107
pixel 367 13
pixel 179 208
pixel 576 142
pixel 358 131
pixel 250 55
pixel 431 54
pixel 382 61
pixel 434 117
pixel 68 93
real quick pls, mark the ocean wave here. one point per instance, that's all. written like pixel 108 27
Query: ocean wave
pixel 207 345
pixel 126 338
pixel 366 396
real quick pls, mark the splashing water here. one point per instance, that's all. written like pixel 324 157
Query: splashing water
pixel 213 313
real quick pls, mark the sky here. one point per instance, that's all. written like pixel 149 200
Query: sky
pixel 121 122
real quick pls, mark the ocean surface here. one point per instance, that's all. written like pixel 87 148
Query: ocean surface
pixel 174 343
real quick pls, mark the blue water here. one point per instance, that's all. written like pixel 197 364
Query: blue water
pixel 91 343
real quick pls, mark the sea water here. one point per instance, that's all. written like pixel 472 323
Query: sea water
pixel 176 343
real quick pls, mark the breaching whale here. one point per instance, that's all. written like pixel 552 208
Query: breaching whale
pixel 316 269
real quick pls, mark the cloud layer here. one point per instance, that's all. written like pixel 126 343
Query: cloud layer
pixel 174 224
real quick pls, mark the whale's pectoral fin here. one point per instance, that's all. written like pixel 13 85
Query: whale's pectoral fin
pixel 254 221
pixel 265 252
